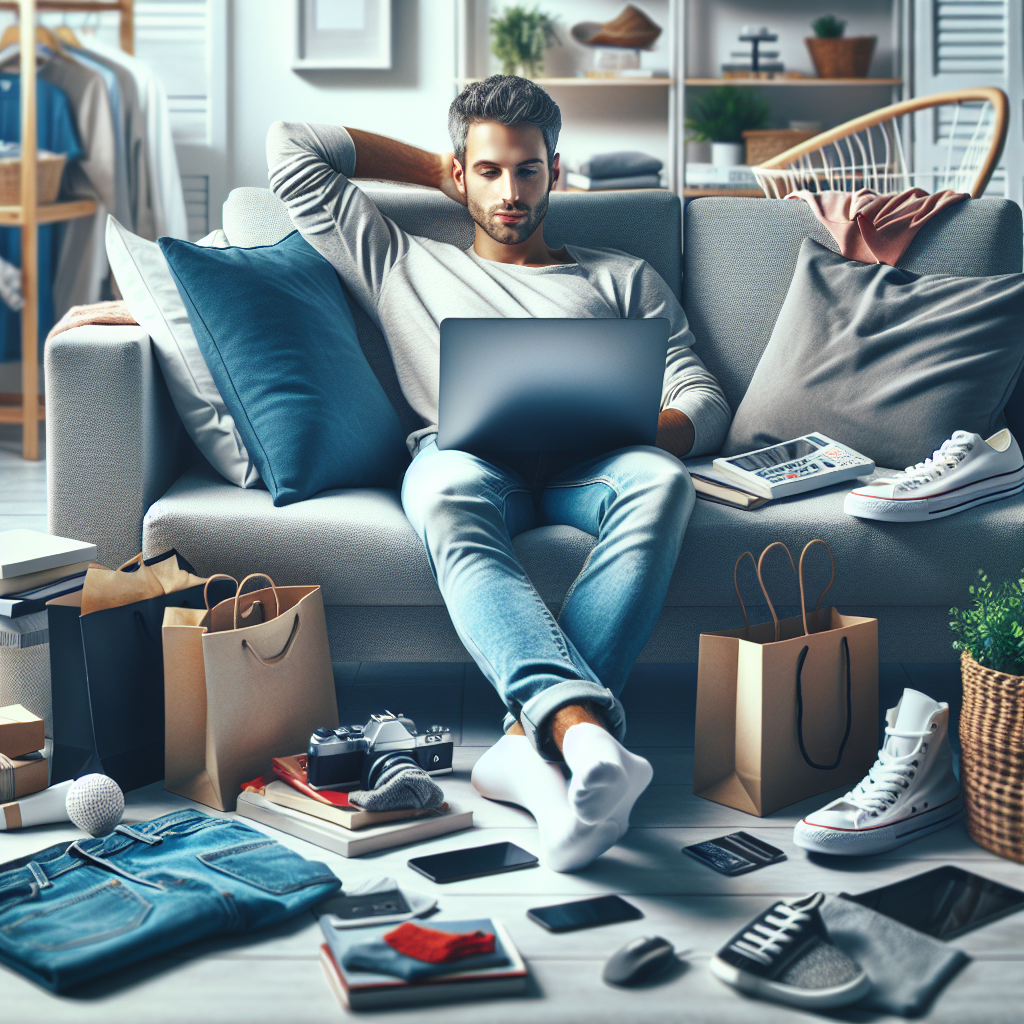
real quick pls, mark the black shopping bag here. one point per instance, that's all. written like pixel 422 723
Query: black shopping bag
pixel 107 673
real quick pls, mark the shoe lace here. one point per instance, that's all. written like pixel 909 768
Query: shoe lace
pixel 887 778
pixel 947 456
pixel 766 939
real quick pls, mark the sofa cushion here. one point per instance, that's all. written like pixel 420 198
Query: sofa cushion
pixel 148 288
pixel 885 361
pixel 739 257
pixel 359 546
pixel 278 336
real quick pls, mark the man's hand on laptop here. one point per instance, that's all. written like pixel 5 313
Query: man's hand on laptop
pixel 675 432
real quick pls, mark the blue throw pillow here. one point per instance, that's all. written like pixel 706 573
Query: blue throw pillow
pixel 277 333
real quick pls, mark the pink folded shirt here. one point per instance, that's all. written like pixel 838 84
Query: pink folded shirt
pixel 876 229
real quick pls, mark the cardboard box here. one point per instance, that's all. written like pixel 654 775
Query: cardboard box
pixel 31 775
pixel 21 732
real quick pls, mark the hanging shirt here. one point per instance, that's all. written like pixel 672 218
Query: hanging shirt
pixel 161 205
pixel 55 132
pixel 82 265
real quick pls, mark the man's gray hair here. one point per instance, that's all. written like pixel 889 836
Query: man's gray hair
pixel 506 99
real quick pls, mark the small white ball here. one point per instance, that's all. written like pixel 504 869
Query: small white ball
pixel 95 804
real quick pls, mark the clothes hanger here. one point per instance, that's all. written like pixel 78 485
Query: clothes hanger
pixel 12 34
pixel 66 34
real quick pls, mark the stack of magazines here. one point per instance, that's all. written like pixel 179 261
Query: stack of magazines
pixel 501 972
pixel 326 818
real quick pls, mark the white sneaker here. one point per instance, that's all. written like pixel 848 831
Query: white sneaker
pixel 966 471
pixel 910 791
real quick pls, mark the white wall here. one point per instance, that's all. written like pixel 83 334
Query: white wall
pixel 409 101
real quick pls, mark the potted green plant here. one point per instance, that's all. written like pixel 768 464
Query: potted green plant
pixel 990 637
pixel 519 39
pixel 721 115
pixel 836 56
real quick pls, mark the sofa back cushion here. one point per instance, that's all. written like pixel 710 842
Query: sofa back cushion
pixel 739 256
pixel 645 223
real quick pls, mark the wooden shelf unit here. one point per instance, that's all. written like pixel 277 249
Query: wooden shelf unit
pixel 809 80
pixel 29 214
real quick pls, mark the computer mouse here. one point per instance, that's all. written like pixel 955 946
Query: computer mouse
pixel 638 960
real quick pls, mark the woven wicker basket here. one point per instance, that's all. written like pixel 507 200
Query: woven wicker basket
pixel 49 168
pixel 992 758
pixel 848 57
pixel 764 143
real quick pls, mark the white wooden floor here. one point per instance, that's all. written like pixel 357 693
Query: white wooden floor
pixel 275 977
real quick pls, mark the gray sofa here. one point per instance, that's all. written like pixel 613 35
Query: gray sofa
pixel 123 473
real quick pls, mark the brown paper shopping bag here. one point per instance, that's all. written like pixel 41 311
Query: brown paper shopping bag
pixel 245 681
pixel 785 709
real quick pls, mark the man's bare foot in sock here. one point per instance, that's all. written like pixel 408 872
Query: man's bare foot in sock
pixel 606 777
pixel 513 772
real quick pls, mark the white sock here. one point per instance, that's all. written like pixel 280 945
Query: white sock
pixel 606 777
pixel 512 771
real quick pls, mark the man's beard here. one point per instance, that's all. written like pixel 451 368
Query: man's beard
pixel 508 234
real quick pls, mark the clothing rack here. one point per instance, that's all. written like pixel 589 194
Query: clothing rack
pixel 28 215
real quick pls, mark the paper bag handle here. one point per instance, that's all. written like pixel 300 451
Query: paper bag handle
pixel 282 654
pixel 800 709
pixel 216 576
pixel 238 594
pixel 803 605
pixel 137 560
pixel 800 575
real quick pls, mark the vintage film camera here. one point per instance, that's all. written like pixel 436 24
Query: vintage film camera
pixel 355 756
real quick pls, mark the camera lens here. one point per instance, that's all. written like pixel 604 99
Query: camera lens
pixel 376 765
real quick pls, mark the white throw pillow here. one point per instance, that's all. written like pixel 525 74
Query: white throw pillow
pixel 152 297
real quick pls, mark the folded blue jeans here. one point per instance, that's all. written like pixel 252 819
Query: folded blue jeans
pixel 75 911
pixel 466 510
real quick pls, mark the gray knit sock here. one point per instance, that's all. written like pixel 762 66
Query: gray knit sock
pixel 401 788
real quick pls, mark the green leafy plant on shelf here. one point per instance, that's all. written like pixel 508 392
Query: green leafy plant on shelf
pixel 828 26
pixel 519 38
pixel 992 631
pixel 724 113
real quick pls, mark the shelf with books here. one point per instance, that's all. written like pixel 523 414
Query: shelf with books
pixel 611 80
pixel 887 83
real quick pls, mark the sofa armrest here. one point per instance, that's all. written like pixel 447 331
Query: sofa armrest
pixel 114 442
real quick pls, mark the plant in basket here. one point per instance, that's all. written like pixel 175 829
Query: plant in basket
pixel 990 635
pixel 836 56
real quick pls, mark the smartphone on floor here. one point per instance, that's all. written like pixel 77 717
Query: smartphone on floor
pixel 943 903
pixel 569 917
pixel 475 862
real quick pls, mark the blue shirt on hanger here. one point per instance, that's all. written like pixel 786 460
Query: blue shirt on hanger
pixel 56 132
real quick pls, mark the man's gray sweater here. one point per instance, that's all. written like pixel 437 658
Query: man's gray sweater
pixel 409 284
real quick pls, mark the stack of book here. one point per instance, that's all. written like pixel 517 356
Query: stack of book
pixel 606 171
pixel 713 176
pixel 35 567
pixel 24 769
pixel 326 818
pixel 363 990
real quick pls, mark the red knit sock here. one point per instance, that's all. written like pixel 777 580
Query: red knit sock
pixel 437 947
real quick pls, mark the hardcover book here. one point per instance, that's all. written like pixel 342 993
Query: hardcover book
pixel 361 990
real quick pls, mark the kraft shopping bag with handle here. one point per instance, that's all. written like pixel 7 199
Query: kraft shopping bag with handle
pixel 246 681
pixel 786 709
pixel 106 668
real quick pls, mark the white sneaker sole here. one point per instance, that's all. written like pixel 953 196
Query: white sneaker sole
pixel 805 998
pixel 863 842
pixel 918 510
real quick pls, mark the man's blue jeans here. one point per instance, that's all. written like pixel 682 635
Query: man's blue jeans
pixel 466 510
pixel 75 911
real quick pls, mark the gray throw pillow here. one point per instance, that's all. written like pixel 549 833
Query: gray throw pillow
pixel 885 361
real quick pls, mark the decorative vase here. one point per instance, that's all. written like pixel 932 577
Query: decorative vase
pixel 992 758
pixel 727 154
pixel 842 58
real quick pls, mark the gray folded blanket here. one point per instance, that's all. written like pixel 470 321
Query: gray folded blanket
pixel 907 968
pixel 627 164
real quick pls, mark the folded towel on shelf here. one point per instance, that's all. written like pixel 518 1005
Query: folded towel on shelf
pixel 617 165
pixel 587 184
pixel 93 313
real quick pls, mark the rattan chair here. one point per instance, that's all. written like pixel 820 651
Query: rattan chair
pixel 870 151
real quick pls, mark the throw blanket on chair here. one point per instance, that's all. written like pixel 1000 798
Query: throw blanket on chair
pixel 876 229
pixel 94 313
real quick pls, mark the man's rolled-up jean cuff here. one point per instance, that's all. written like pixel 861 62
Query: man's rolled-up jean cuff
pixel 536 714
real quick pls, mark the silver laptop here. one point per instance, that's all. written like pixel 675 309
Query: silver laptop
pixel 524 384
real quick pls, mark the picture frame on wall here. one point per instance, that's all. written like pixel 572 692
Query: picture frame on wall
pixel 342 34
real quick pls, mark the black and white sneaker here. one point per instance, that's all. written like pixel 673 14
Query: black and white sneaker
pixel 785 954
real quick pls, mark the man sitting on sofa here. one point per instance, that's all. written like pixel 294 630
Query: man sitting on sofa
pixel 559 676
